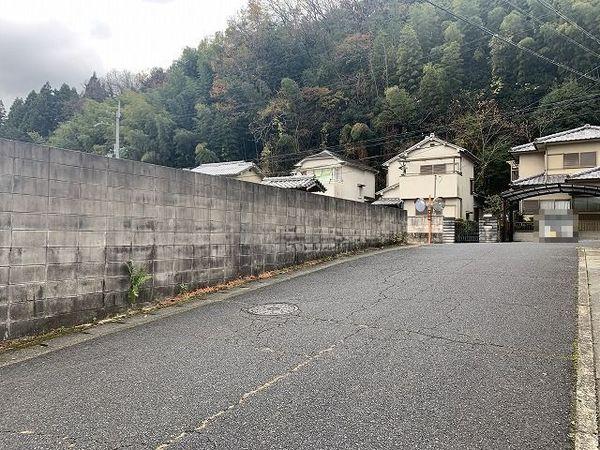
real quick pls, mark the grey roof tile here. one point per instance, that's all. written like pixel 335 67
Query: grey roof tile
pixel 301 182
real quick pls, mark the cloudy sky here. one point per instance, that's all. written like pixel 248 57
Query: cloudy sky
pixel 66 40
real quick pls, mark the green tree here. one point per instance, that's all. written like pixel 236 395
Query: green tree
pixel 558 111
pixel 398 111
pixel 90 130
pixel 204 154
pixel 434 90
pixel 2 113
pixel 409 59
pixel 94 89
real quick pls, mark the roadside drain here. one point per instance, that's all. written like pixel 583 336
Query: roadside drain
pixel 273 309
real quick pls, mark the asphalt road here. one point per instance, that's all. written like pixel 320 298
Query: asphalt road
pixel 458 346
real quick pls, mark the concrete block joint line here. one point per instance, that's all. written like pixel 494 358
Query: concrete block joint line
pixel 585 432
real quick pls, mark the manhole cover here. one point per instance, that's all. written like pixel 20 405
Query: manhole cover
pixel 273 309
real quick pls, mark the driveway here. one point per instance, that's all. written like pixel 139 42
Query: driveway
pixel 456 346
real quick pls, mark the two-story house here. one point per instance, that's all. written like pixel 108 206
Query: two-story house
pixel 549 175
pixel 341 177
pixel 433 168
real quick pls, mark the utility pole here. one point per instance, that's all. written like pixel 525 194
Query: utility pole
pixel 117 123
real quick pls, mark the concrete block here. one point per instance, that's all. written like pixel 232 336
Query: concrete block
pixel 62 288
pixel 92 223
pixel 27 274
pixel 26 292
pixel 56 272
pixel 91 254
pixel 65 189
pixel 94 177
pixel 30 186
pixel 31 151
pixel 30 168
pixel 29 238
pixel 60 222
pixel 25 221
pixel 91 161
pixel 25 203
pixel 91 239
pixel 63 173
pixel 4 295
pixel 90 269
pixel 118 253
pixel 5 220
pixel 89 285
pixel 61 255
pixel 21 310
pixel 62 156
pixel 52 307
pixel 7 148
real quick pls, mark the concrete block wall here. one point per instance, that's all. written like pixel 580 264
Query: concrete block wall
pixel 418 229
pixel 488 229
pixel 70 221
pixel 449 230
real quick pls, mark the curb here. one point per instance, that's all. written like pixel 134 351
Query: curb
pixel 51 345
pixel 585 431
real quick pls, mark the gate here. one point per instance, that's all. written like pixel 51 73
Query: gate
pixel 466 231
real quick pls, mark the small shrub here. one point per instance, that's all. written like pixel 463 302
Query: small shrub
pixel 137 277
pixel 400 239
pixel 184 288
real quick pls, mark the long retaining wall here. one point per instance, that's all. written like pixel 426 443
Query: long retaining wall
pixel 70 221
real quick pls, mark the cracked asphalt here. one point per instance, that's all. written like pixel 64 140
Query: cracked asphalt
pixel 462 346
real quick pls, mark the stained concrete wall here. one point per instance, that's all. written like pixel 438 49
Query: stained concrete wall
pixel 69 222
pixel 418 229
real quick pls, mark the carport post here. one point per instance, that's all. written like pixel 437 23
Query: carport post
pixel 504 224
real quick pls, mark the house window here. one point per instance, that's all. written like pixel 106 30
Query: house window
pixel 472 186
pixel 329 174
pixel 428 169
pixel 530 206
pixel 514 172
pixel 439 168
pixel 577 160
pixel 361 191
pixel 587 159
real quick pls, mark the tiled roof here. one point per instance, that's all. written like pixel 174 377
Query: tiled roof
pixel 301 182
pixel 387 188
pixel 539 179
pixel 344 160
pixel 388 202
pixel 227 168
pixel 529 147
pixel 587 174
pixel 584 133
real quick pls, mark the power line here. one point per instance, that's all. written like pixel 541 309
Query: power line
pixel 370 143
pixel 519 46
pixel 568 20
pixel 557 31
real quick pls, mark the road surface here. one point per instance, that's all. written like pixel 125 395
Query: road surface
pixel 447 347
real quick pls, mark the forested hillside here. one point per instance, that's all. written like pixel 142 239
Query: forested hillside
pixel 363 77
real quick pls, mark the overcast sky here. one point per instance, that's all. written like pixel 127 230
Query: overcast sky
pixel 66 40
